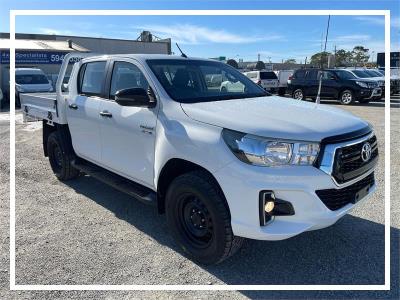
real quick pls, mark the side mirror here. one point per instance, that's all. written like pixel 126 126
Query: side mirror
pixel 135 97
pixel 332 77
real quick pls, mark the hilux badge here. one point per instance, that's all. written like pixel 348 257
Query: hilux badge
pixel 366 152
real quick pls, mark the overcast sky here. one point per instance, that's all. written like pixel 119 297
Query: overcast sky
pixel 273 37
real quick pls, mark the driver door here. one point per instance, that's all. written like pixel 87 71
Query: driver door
pixel 128 133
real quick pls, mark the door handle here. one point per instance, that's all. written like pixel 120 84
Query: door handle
pixel 106 114
pixel 73 106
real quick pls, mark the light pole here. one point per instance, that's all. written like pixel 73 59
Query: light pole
pixel 317 101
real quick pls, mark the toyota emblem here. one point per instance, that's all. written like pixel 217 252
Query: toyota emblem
pixel 366 152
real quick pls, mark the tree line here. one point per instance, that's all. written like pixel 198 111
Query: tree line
pixel 359 56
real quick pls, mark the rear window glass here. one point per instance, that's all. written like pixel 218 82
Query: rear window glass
pixel 93 77
pixel 31 79
pixel 300 74
pixel 268 75
pixel 312 74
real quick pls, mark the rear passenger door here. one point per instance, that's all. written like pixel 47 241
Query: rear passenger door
pixel 128 133
pixel 83 110
pixel 312 83
pixel 330 84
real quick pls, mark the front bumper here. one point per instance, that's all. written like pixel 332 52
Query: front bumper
pixel 242 183
pixel 370 93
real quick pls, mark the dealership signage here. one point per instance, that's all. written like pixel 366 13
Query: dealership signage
pixel 394 60
pixel 33 57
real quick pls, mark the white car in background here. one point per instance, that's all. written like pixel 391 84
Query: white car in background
pixel 30 80
pixel 229 86
pixel 266 79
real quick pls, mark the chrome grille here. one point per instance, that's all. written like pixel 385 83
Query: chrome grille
pixel 348 163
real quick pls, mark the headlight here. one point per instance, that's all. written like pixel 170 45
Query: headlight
pixel 362 84
pixel 260 151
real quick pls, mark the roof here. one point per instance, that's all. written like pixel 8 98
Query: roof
pixel 28 71
pixel 42 45
pixel 143 57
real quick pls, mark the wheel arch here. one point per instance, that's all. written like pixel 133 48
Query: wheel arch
pixel 173 168
pixel 345 88
pixel 62 130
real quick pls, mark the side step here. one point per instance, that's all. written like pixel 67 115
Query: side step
pixel 118 182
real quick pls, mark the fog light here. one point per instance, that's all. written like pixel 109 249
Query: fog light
pixel 269 206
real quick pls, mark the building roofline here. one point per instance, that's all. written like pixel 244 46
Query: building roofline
pixel 7 34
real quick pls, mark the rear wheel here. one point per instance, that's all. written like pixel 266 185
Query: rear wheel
pixel 298 94
pixel 346 97
pixel 199 218
pixel 60 158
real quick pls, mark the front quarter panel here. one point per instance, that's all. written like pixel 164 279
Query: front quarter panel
pixel 179 136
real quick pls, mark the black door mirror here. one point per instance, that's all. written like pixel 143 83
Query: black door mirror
pixel 138 97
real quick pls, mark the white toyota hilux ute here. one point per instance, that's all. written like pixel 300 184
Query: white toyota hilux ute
pixel 222 164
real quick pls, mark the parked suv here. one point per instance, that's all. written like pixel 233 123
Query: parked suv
pixel 336 84
pixel 222 164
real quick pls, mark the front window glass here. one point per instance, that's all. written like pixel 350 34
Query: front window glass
pixel 126 75
pixel 191 81
pixel 31 79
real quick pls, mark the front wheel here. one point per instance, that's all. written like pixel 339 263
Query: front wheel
pixel 199 219
pixel 346 97
pixel 298 94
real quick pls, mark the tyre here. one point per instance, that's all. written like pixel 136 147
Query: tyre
pixel 298 94
pixel 61 157
pixel 199 219
pixel 346 97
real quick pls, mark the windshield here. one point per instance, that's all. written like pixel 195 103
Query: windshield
pixel 268 75
pixel 374 73
pixel 344 74
pixel 190 81
pixel 31 79
pixel 361 74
